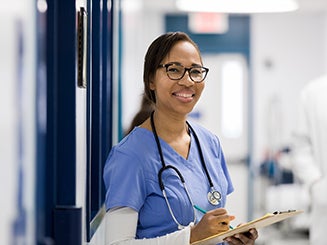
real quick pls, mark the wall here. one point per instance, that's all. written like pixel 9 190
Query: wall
pixel 17 121
pixel 81 145
pixel 140 27
pixel 288 50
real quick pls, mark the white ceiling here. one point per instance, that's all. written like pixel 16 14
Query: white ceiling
pixel 168 5
pixel 313 5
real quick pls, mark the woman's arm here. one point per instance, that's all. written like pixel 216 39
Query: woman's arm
pixel 121 226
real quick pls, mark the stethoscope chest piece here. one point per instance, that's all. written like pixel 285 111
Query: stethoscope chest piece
pixel 214 197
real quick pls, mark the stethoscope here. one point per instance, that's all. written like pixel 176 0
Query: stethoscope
pixel 213 195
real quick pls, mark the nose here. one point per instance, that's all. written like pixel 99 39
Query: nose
pixel 186 80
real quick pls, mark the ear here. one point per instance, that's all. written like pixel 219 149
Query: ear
pixel 152 85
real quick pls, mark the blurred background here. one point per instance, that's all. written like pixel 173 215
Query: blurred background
pixel 71 81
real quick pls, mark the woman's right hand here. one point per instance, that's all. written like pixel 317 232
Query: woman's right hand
pixel 212 223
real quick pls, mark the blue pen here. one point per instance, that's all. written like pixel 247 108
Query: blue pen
pixel 204 212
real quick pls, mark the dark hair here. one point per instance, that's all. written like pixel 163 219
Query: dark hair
pixel 145 110
pixel 157 51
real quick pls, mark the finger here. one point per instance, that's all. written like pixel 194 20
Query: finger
pixel 225 219
pixel 233 241
pixel 221 213
pixel 243 238
pixel 239 239
pixel 215 218
pixel 222 227
pixel 218 211
pixel 226 223
pixel 254 233
pixel 246 237
pixel 251 234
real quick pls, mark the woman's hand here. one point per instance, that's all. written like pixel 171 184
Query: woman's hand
pixel 246 238
pixel 212 223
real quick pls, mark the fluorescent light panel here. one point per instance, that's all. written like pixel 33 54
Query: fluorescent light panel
pixel 237 6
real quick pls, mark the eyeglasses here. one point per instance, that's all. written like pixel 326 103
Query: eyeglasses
pixel 176 72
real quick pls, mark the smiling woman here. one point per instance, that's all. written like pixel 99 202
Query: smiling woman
pixel 162 160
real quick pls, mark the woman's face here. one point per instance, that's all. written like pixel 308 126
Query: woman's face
pixel 178 96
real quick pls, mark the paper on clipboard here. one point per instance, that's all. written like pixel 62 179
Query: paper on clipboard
pixel 266 220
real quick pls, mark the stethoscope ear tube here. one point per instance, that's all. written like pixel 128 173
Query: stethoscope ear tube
pixel 201 155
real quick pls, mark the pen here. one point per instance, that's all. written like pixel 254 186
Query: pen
pixel 200 209
pixel 204 212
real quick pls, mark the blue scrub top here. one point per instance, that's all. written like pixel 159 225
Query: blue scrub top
pixel 131 180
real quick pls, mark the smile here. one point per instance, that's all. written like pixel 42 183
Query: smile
pixel 184 95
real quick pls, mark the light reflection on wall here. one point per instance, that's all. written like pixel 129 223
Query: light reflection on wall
pixel 232 99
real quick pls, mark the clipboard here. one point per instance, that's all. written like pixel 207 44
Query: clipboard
pixel 265 220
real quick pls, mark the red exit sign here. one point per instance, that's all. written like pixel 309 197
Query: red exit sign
pixel 215 23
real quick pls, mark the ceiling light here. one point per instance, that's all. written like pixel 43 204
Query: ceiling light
pixel 237 6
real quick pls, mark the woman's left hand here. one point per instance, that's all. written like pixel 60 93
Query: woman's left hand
pixel 246 238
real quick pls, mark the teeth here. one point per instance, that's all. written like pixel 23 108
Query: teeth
pixel 185 95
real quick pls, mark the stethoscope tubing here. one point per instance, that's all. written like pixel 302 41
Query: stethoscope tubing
pixel 212 193
pixel 164 166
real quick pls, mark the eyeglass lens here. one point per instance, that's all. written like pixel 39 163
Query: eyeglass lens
pixel 176 72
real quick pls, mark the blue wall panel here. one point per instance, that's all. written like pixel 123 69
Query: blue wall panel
pixel 236 39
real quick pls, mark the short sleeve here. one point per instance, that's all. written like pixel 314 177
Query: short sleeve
pixel 124 180
pixel 230 187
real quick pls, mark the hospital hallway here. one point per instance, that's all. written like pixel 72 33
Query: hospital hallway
pixel 72 82
pixel 273 236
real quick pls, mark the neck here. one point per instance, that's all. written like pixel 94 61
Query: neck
pixel 174 132
pixel 168 125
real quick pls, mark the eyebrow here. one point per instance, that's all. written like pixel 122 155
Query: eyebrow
pixel 178 63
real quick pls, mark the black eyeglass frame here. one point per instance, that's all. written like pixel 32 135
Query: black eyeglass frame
pixel 185 69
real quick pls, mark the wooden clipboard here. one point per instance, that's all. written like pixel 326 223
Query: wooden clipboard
pixel 266 220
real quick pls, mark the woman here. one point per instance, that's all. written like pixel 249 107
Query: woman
pixel 166 166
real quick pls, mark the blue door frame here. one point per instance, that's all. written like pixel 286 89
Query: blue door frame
pixel 56 142
pixel 99 108
pixel 58 220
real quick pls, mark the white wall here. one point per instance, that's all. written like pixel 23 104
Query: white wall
pixel 288 50
pixel 141 27
pixel 295 46
pixel 81 145
pixel 9 136
pixel 17 119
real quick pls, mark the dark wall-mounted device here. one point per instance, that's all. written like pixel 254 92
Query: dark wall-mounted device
pixel 82 48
